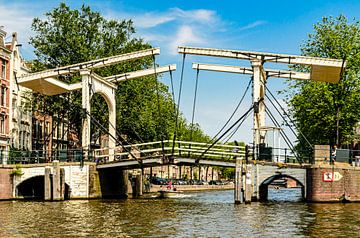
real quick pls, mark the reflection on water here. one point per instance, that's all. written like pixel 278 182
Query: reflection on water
pixel 203 214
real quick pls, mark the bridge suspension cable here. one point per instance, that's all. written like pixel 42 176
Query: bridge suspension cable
pixel 114 137
pixel 194 105
pixel 178 105
pixel 288 116
pixel 231 127
pixel 113 126
pixel 235 130
pixel 231 116
pixel 235 110
pixel 161 120
pixel 284 136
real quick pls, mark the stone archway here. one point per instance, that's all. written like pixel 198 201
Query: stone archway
pixel 34 188
pixel 31 188
pixel 92 84
pixel 264 186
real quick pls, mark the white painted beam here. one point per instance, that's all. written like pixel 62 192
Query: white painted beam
pixel 247 70
pixel 88 65
pixel 266 57
pixel 141 73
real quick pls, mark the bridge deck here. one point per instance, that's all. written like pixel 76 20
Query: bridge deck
pixel 153 154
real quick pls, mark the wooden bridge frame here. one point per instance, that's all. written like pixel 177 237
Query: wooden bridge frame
pixel 46 82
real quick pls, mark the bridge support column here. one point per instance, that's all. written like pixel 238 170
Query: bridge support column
pixel 86 84
pixel 58 182
pixel 258 100
pixel 47 184
pixel 256 195
pixel 137 186
pixel 112 125
pixel 239 194
pixel 54 183
pixel 248 183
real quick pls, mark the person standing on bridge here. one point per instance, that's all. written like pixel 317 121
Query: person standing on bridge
pixel 333 154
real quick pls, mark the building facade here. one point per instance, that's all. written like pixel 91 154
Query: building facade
pixel 19 102
pixel 5 56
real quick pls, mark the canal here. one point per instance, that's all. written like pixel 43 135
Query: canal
pixel 200 214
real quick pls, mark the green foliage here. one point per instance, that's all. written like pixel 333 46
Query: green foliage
pixel 188 132
pixel 327 113
pixel 68 36
pixel 17 171
pixel 227 173
pixel 14 153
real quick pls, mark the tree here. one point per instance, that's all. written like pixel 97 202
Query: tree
pixel 145 109
pixel 69 36
pixel 327 113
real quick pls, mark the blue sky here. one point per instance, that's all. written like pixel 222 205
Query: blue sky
pixel 270 26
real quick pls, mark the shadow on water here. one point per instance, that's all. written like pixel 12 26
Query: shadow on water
pixel 285 195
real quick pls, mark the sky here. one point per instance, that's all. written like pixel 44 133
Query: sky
pixel 265 26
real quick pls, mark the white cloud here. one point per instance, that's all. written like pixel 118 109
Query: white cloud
pixel 149 20
pixel 199 15
pixel 14 19
pixel 252 25
pixel 185 35
pixel 154 19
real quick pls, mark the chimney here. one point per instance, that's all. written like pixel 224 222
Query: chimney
pixel 2 36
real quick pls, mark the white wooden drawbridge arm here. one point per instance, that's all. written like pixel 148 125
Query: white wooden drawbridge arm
pixel 247 70
pixel 141 73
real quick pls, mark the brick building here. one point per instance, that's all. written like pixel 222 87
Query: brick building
pixel 5 55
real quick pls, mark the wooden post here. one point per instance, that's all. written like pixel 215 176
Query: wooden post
pixel 56 181
pixel 62 184
pixel 126 183
pixel 47 184
pixel 238 182
pixel 137 188
pixel 248 183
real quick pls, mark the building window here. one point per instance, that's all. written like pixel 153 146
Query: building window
pixel 3 69
pixel 13 109
pixel 3 96
pixel 2 124
pixel 21 144
pixel 47 129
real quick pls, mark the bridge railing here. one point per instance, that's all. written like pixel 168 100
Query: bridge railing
pixel 166 148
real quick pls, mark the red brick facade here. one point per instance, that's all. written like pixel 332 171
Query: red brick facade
pixel 322 185
pixel 5 184
pixel 4 92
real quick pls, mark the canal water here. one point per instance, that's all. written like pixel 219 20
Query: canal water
pixel 200 214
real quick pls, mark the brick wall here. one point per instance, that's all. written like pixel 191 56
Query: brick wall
pixel 321 184
pixel 5 184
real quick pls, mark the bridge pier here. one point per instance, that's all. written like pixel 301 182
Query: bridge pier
pixel 248 183
pixel 239 194
pixel 54 183
pixel 113 183
pixel 243 182
pixel 137 186
pixel 333 183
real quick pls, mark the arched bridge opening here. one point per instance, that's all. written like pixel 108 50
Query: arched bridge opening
pixel 34 188
pixel 279 180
